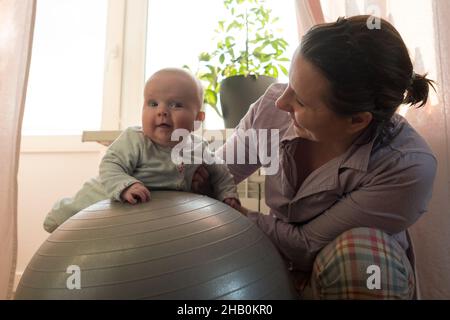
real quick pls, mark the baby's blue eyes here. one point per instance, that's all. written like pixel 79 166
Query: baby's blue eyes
pixel 173 105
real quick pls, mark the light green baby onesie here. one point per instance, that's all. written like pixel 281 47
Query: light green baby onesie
pixel 131 158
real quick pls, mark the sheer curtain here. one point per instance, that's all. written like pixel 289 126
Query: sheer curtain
pixel 424 26
pixel 308 13
pixel 16 30
pixel 431 234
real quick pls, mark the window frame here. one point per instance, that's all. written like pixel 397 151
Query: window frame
pixel 123 79
pixel 125 55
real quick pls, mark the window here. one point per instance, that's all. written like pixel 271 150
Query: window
pixel 65 87
pixel 178 30
pixel 90 59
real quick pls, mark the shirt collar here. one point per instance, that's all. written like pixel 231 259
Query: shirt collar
pixel 289 134
pixel 356 157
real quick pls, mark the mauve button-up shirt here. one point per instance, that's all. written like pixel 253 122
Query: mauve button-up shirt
pixel 386 188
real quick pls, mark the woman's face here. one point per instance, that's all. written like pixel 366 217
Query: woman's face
pixel 305 99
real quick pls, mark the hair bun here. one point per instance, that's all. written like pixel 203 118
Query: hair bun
pixel 417 91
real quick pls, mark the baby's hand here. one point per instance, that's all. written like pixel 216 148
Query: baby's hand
pixel 233 202
pixel 135 193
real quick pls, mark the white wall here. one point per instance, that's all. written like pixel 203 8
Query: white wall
pixel 45 175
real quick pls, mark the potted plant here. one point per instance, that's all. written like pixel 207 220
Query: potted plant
pixel 247 58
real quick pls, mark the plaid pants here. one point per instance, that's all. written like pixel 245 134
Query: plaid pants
pixel 362 263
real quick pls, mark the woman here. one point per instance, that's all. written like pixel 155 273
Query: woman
pixel 353 174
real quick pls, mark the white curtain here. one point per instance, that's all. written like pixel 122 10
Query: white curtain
pixel 431 234
pixel 16 30
pixel 424 26
pixel 308 13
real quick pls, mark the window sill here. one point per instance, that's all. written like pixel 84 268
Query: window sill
pixel 103 137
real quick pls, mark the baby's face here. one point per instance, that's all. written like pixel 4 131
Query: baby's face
pixel 171 101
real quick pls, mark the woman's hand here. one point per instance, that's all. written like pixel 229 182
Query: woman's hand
pixel 234 203
pixel 243 210
pixel 135 193
pixel 200 182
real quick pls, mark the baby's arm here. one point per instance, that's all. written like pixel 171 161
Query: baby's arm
pixel 220 178
pixel 223 184
pixel 118 165
pixel 135 193
pixel 234 203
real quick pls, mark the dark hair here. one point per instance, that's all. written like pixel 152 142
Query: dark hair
pixel 369 69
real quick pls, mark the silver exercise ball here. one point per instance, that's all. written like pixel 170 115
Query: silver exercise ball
pixel 177 246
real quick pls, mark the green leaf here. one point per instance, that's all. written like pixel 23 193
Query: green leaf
pixel 259 49
pixel 211 78
pixel 235 25
pixel 204 56
pixel 274 72
pixel 228 41
pixel 222 58
pixel 211 97
pixel 283 69
pixel 221 25
pixel 283 42
pixel 231 52
pixel 264 57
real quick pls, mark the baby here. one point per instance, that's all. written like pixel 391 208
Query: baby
pixel 139 160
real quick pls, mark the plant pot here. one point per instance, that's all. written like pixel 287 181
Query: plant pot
pixel 237 93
